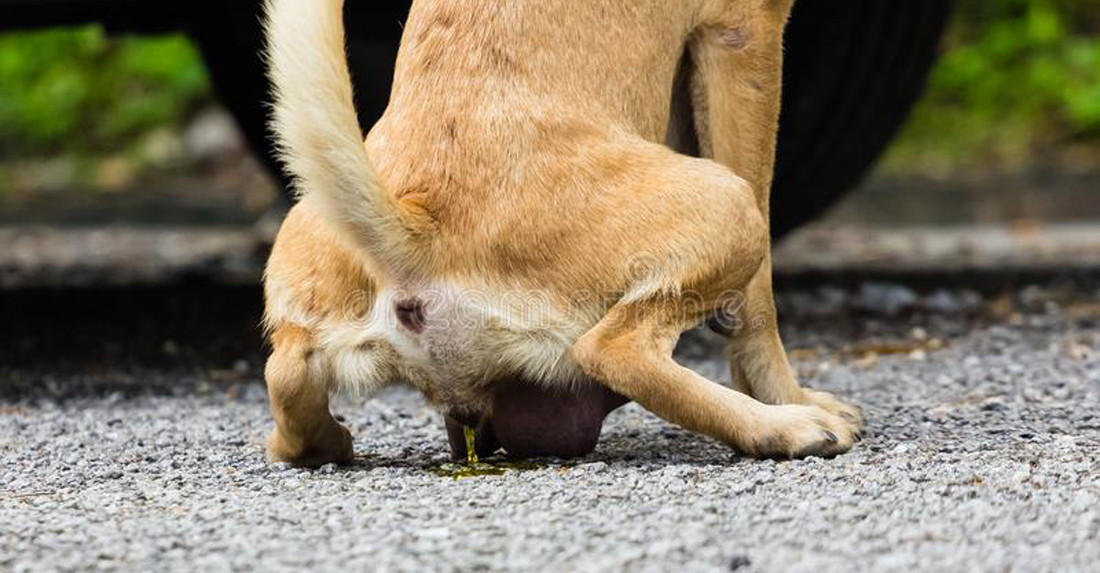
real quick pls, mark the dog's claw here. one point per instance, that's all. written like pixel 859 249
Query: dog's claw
pixel 849 416
pixel 831 437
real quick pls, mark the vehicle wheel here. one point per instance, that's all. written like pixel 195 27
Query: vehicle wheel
pixel 853 69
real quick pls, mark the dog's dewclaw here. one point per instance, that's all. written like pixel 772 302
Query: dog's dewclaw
pixel 471 451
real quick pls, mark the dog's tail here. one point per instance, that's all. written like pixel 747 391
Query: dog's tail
pixel 318 133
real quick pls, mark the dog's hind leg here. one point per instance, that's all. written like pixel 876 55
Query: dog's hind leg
pixel 736 93
pixel 305 432
pixel 692 269
pixel 630 351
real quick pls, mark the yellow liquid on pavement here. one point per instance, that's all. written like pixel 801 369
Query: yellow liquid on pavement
pixel 475 468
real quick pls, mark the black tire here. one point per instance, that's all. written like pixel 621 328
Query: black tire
pixel 853 70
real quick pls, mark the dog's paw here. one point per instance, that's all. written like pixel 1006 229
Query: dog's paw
pixel 798 431
pixel 833 405
pixel 333 445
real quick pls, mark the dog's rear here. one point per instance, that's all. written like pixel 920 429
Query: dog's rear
pixel 529 168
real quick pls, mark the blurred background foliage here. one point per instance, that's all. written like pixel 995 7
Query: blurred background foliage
pixel 1016 76
pixel 76 90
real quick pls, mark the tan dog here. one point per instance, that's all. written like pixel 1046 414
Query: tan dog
pixel 515 214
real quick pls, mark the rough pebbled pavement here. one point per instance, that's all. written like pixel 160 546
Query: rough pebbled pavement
pixel 981 455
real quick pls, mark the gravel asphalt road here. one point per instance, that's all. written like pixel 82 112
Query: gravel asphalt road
pixel 982 454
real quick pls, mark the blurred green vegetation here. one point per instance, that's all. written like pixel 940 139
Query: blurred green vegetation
pixel 1016 77
pixel 78 91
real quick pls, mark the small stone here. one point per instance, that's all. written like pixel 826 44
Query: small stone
pixel 739 562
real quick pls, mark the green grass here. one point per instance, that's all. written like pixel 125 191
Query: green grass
pixel 1016 77
pixel 75 90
